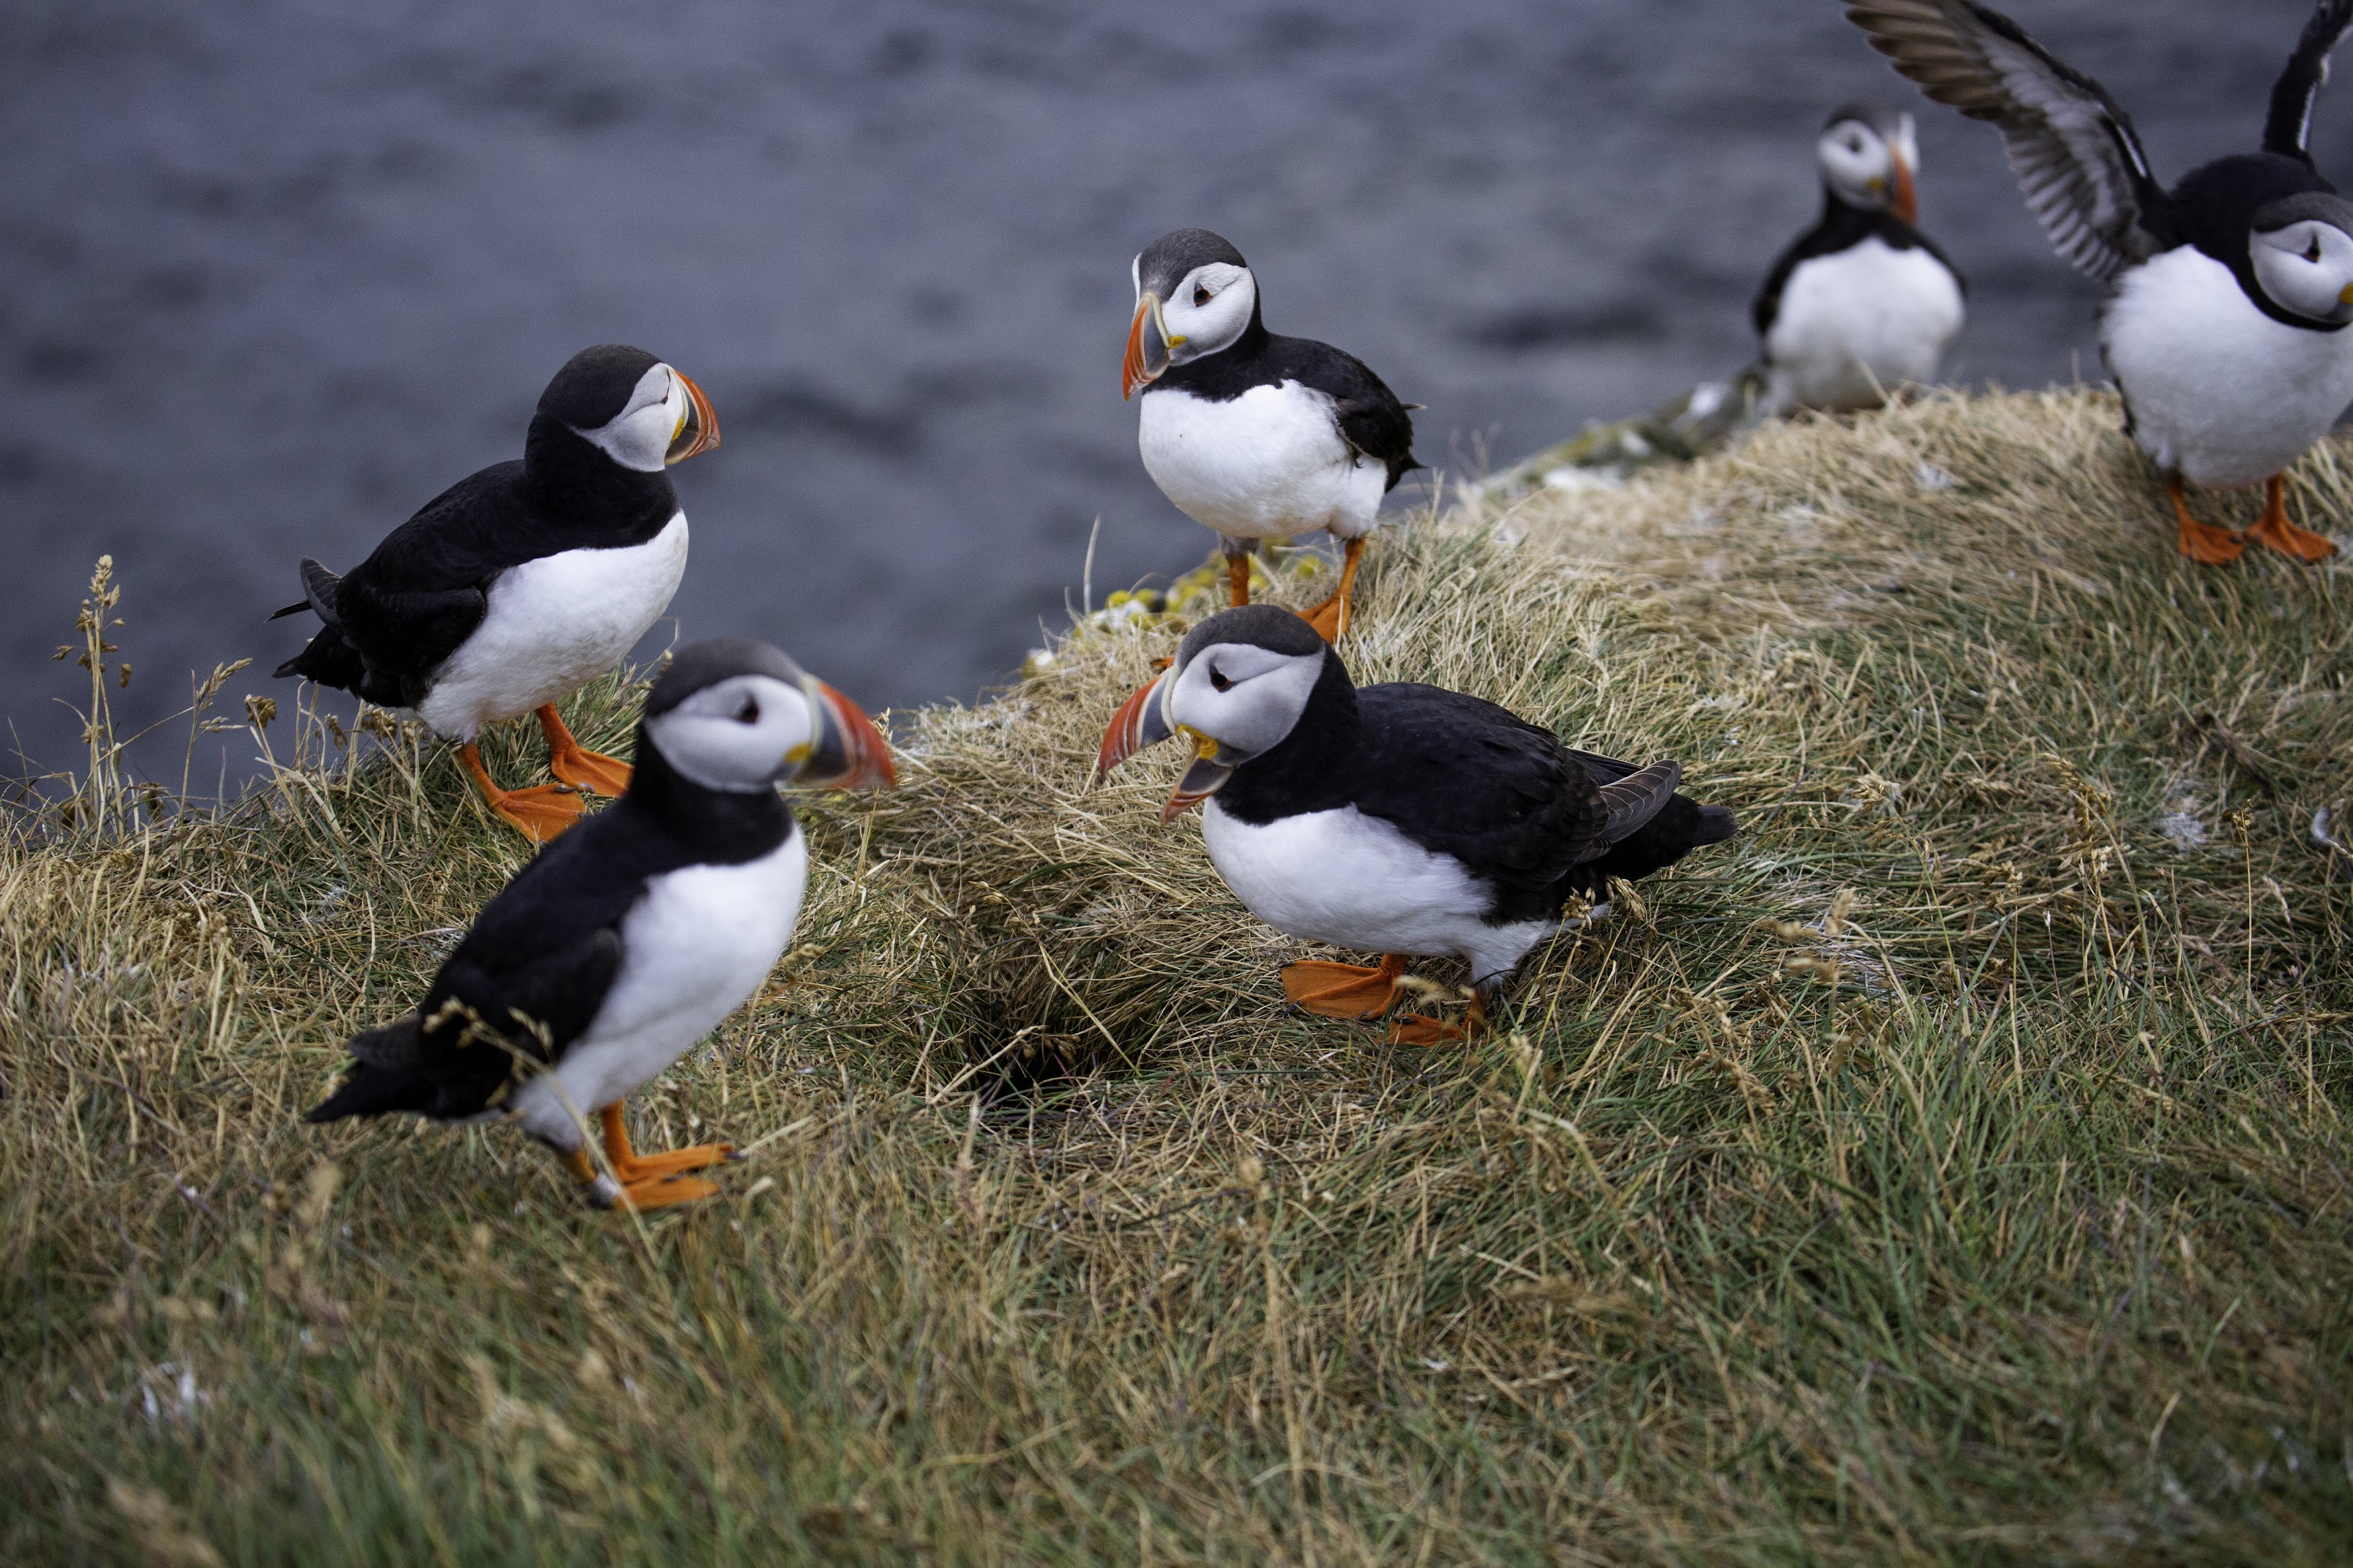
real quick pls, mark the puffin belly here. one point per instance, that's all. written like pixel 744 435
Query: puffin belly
pixel 2220 392
pixel 1857 323
pixel 1267 464
pixel 553 626
pixel 1355 881
pixel 693 949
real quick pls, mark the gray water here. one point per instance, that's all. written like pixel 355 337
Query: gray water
pixel 272 273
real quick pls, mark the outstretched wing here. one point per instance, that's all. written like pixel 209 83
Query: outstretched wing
pixel 2072 148
pixel 2287 130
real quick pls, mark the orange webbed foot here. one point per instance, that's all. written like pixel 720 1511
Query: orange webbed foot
pixel 1344 990
pixel 539 814
pixel 2276 532
pixel 631 1168
pixel 2202 542
pixel 664 1191
pixel 574 764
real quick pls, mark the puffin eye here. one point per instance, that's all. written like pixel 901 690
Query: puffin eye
pixel 1200 294
pixel 749 713
pixel 1218 679
pixel 2312 248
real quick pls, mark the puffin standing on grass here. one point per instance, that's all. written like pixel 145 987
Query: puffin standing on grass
pixel 1402 819
pixel 615 949
pixel 527 581
pixel 1862 302
pixel 2226 330
pixel 1256 436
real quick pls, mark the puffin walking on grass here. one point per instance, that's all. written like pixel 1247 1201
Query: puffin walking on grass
pixel 527 581
pixel 2226 330
pixel 1404 819
pixel 1862 302
pixel 617 947
pixel 1256 436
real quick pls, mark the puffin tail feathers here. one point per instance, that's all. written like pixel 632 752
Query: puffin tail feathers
pixel 1715 825
pixel 385 1075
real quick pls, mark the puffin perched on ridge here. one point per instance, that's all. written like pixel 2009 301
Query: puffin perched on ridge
pixel 528 580
pixel 617 947
pixel 1402 819
pixel 1256 436
pixel 2226 329
pixel 1862 302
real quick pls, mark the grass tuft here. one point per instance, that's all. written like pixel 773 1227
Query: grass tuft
pixel 1950 1169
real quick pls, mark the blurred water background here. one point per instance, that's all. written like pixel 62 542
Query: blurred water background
pixel 274 272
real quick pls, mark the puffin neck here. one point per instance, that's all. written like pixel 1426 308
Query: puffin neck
pixel 574 481
pixel 716 827
pixel 1307 765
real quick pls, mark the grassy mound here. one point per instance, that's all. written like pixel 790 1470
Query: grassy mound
pixel 1951 1169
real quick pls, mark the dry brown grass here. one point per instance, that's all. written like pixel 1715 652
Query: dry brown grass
pixel 1950 1170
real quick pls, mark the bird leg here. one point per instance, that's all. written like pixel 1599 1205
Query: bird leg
pixel 629 1165
pixel 1359 995
pixel 650 1193
pixel 574 764
pixel 1330 619
pixel 1238 569
pixel 539 812
pixel 2201 542
pixel 2276 531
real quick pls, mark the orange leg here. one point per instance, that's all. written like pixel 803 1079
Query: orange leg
pixel 539 812
pixel 1330 619
pixel 574 764
pixel 1237 573
pixel 2278 533
pixel 629 1165
pixel 2201 542
pixel 651 1192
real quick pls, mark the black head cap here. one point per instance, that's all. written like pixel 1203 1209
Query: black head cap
pixel 2323 205
pixel 1167 261
pixel 702 664
pixel 595 384
pixel 1879 117
pixel 1260 625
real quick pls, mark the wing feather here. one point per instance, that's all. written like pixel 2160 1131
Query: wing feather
pixel 2077 159
pixel 2287 129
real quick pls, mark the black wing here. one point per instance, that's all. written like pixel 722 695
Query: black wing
pixel 2073 149
pixel 1462 776
pixel 2287 129
pixel 1681 825
pixel 1372 420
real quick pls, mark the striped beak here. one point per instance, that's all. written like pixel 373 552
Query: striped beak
pixel 848 753
pixel 1204 778
pixel 1138 723
pixel 698 431
pixel 1148 346
pixel 1905 201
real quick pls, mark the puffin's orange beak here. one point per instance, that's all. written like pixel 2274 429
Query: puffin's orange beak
pixel 1905 203
pixel 1148 344
pixel 698 432
pixel 1136 725
pixel 1203 779
pixel 849 751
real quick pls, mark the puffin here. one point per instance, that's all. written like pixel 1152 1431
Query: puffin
pixel 1401 818
pixel 621 945
pixel 1862 302
pixel 526 580
pixel 2230 294
pixel 1256 436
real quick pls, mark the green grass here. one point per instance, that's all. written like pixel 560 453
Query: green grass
pixel 1952 1169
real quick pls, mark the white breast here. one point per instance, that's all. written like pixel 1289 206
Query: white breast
pixel 2220 393
pixel 553 626
pixel 1856 324
pixel 1357 882
pixel 1268 463
pixel 693 949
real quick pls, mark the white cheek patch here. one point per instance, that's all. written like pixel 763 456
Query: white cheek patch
pixel 708 740
pixel 640 436
pixel 1209 328
pixel 1253 715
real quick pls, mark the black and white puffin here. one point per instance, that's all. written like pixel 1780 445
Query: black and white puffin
pixel 1402 819
pixel 527 581
pixel 1862 302
pixel 2226 329
pixel 617 947
pixel 1258 436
